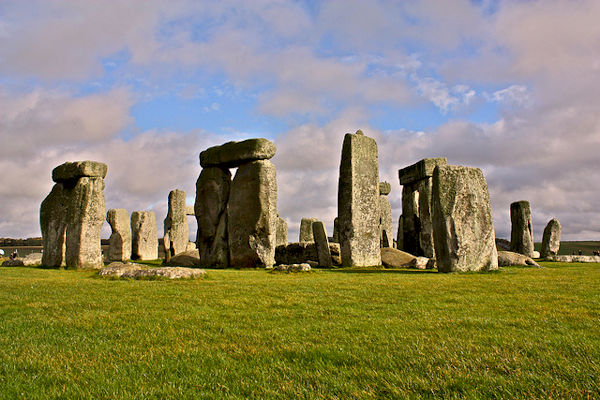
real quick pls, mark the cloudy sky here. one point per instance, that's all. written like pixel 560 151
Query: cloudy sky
pixel 512 87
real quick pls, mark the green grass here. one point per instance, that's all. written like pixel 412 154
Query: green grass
pixel 517 333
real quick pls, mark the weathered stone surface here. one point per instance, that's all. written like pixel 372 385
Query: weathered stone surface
pixel 394 258
pixel 144 238
pixel 282 232
pixel 235 154
pixel 536 254
pixel 521 233
pixel 420 170
pixel 462 220
pixel 117 269
pixel 252 215
pixel 85 217
pixel 385 221
pixel 322 245
pixel 33 259
pixel 212 194
pixel 551 238
pixel 508 258
pixel 176 229
pixel 419 263
pixel 581 259
pixel 358 202
pixel 306 230
pixel 384 188
pixel 336 230
pixel 189 258
pixel 119 248
pixel 137 271
pixel 302 252
pixel 400 234
pixel 75 170
pixel 502 244
pixel 17 262
pixel 304 267
pixel 53 223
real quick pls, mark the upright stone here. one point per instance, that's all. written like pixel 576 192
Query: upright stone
pixel 385 214
pixel 521 233
pixel 212 194
pixel 411 224
pixel 322 244
pixel 176 229
pixel 119 248
pixel 252 215
pixel 400 237
pixel 282 232
pixel 336 230
pixel 144 243
pixel 358 202
pixel 463 229
pixel 551 239
pixel 306 229
pixel 53 223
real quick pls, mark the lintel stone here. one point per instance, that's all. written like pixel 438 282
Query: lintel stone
pixel 420 170
pixel 75 170
pixel 234 154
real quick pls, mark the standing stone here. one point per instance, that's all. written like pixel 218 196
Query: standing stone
pixel 385 214
pixel 306 230
pixel 521 233
pixel 176 229
pixel 400 237
pixel 282 232
pixel 336 230
pixel 358 202
pixel 411 224
pixel 53 223
pixel 119 248
pixel 463 229
pixel 322 244
pixel 252 215
pixel 144 243
pixel 212 194
pixel 427 249
pixel 551 239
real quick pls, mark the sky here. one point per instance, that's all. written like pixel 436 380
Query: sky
pixel 511 87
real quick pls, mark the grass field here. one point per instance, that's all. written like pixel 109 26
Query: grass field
pixel 517 333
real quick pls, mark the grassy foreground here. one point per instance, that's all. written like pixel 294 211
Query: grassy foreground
pixel 518 333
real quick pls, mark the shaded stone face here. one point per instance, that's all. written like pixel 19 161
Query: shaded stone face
pixel 551 238
pixel 336 230
pixel 306 229
pixel 252 216
pixel 119 248
pixel 385 220
pixel 301 252
pixel 322 245
pixel 53 223
pixel 521 233
pixel 235 154
pixel 212 194
pixel 144 238
pixel 411 224
pixel 176 229
pixel 462 220
pixel 74 170
pixel 282 232
pixel 358 202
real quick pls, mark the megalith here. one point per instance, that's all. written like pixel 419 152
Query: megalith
pixel 144 237
pixel 252 215
pixel 336 231
pixel 119 243
pixel 212 194
pixel 385 214
pixel 281 232
pixel 463 229
pixel 235 154
pixel 521 233
pixel 306 229
pixel 72 215
pixel 551 238
pixel 358 202
pixel 322 245
pixel 176 229
pixel 415 232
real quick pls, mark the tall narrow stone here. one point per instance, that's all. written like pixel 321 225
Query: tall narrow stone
pixel 385 214
pixel 336 230
pixel 358 201
pixel 282 232
pixel 400 236
pixel 463 229
pixel 176 229
pixel 212 194
pixel 411 224
pixel 306 230
pixel 322 245
pixel 551 239
pixel 252 215
pixel 144 243
pixel 427 248
pixel 53 223
pixel 521 233
pixel 119 248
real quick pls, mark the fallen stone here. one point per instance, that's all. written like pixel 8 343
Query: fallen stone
pixel 573 259
pixel 137 271
pixel 509 258
pixel 78 169
pixel 536 254
pixel 322 245
pixel 117 269
pixel 189 258
pixel 551 238
pixel 394 258
pixel 119 247
pixel 144 238
pixel 521 233
pixel 306 229
pixel 304 267
pixel 419 263
pixel 235 154
pixel 176 229
pixel 33 259
pixel 17 262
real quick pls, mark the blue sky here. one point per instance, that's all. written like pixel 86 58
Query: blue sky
pixel 507 86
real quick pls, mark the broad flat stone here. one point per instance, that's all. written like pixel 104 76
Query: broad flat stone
pixel 509 258
pixel 176 229
pixel 137 271
pixel 384 188
pixel 462 220
pixel 322 245
pixel 53 224
pixel 282 232
pixel 74 170
pixel 358 202
pixel 551 238
pixel 521 233
pixel 569 259
pixel 306 229
pixel 394 258
pixel 188 258
pixel 119 248
pixel 304 267
pixel 420 170
pixel 235 154
pixel 144 238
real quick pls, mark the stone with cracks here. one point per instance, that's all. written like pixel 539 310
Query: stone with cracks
pixel 358 202
pixel 521 233
pixel 176 229
pixel 306 229
pixel 322 245
pixel 119 247
pixel 252 216
pixel 212 194
pixel 235 154
pixel 53 223
pixel 74 170
pixel 551 239
pixel 463 229
pixel 508 258
pixel 282 232
pixel 144 237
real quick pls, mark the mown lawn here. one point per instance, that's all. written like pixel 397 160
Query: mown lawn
pixel 518 333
